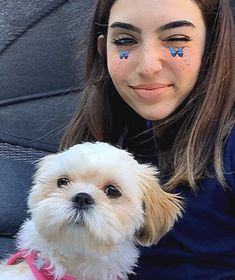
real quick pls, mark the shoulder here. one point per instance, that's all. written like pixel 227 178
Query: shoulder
pixel 229 158
pixel 229 151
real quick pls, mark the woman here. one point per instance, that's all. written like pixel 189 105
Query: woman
pixel 160 82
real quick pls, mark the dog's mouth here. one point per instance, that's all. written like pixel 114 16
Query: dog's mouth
pixel 77 216
pixel 78 220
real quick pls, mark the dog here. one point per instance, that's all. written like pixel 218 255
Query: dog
pixel 89 207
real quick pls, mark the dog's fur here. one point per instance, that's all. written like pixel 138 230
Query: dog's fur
pixel 98 242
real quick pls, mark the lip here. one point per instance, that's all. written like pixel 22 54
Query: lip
pixel 151 92
pixel 152 86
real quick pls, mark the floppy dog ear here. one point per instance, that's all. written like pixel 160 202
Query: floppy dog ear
pixel 44 169
pixel 161 209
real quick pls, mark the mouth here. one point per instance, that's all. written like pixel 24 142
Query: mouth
pixel 76 217
pixel 151 86
pixel 151 91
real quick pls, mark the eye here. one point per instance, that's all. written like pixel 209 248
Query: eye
pixel 62 182
pixel 125 41
pixel 112 192
pixel 178 38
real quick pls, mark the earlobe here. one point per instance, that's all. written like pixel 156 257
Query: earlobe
pixel 101 45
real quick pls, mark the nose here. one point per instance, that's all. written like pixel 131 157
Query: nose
pixel 83 200
pixel 150 61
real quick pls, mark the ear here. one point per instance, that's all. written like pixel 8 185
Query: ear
pixel 161 209
pixel 43 165
pixel 42 172
pixel 101 45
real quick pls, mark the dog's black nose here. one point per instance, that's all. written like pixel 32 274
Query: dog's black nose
pixel 83 200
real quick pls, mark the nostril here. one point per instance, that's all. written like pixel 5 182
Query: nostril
pixel 83 200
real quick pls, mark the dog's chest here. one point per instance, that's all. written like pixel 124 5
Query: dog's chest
pixel 18 271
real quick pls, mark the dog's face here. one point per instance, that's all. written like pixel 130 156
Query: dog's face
pixel 97 195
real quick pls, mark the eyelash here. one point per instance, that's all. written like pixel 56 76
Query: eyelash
pixel 130 41
pixel 124 41
pixel 177 39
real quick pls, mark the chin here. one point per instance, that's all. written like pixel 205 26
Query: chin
pixel 157 112
pixel 89 207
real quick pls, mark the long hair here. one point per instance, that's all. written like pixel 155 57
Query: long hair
pixel 209 108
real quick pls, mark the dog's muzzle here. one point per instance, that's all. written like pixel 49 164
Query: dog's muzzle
pixel 83 201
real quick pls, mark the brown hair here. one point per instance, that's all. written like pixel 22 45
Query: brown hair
pixel 102 114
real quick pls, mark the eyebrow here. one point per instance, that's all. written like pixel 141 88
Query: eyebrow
pixel 175 24
pixel 125 26
pixel 170 25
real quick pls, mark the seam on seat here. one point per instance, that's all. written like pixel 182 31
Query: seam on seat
pixel 47 94
pixel 30 140
pixel 42 14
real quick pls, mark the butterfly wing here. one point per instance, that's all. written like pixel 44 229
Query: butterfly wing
pixel 126 53
pixel 172 51
pixel 121 55
pixel 180 52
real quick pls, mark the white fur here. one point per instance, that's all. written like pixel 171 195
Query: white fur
pixel 101 248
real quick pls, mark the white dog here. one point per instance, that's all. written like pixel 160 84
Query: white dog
pixel 89 207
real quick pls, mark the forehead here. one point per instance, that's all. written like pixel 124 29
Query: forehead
pixel 155 12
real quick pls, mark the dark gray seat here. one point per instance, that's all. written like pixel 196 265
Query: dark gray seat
pixel 39 89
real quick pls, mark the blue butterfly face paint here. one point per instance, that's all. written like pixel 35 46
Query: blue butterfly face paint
pixel 123 54
pixel 174 52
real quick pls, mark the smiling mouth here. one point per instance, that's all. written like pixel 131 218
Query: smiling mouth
pixel 153 86
pixel 151 91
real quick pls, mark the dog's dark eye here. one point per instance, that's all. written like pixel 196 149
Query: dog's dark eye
pixel 62 182
pixel 112 192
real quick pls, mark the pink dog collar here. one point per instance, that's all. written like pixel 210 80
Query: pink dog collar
pixel 39 267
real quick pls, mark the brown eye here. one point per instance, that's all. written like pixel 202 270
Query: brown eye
pixel 62 182
pixel 112 192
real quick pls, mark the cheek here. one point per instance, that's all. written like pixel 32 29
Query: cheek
pixel 187 67
pixel 190 61
pixel 130 217
pixel 118 68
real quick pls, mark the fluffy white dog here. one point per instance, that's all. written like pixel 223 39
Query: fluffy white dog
pixel 89 207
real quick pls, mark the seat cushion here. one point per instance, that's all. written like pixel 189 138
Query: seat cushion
pixel 7 247
pixel 16 177
pixel 40 75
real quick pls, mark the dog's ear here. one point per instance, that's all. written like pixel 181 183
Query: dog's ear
pixel 161 209
pixel 42 166
pixel 44 169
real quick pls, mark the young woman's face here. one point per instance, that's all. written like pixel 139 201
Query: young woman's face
pixel 154 53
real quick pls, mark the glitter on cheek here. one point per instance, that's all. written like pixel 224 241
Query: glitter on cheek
pixel 183 63
pixel 191 60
